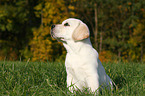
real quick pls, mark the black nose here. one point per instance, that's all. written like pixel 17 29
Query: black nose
pixel 52 26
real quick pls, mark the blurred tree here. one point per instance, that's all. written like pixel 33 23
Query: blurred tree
pixel 137 41
pixel 117 27
pixel 16 20
pixel 112 21
pixel 90 9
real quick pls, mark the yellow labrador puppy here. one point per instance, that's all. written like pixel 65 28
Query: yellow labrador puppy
pixel 83 67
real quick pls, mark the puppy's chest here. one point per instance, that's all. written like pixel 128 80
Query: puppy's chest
pixel 76 65
pixel 73 61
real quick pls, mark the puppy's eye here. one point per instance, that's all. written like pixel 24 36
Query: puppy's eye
pixel 66 24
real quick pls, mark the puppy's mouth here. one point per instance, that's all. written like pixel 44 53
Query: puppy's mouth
pixel 60 39
pixel 55 37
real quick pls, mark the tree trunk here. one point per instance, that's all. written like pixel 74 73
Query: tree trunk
pixel 96 27
pixel 101 38
pixel 119 54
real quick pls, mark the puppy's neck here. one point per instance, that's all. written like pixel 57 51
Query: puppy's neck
pixel 76 47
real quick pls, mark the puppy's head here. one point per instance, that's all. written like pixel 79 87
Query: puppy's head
pixel 70 29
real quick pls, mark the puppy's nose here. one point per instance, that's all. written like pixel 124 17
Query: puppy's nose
pixel 52 26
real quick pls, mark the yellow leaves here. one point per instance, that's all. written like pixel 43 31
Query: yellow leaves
pixel 9 21
pixel 3 12
pixel 129 3
pixel 39 10
pixel 54 12
pixel 38 7
pixel 60 2
pixel 107 56
pixel 139 29
pixel 43 47
pixel 139 32
pixel 71 7
pixel 135 42
pixel 72 13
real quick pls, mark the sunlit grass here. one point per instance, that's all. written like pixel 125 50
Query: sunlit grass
pixel 38 78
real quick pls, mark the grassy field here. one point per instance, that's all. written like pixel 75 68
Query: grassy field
pixel 49 79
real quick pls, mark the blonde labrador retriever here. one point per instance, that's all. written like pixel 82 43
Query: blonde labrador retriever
pixel 83 67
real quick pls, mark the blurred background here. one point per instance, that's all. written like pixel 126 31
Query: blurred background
pixel 117 28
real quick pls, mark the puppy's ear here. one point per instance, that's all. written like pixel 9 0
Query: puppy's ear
pixel 81 32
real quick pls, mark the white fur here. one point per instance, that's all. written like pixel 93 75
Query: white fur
pixel 83 67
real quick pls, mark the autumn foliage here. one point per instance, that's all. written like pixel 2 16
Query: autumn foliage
pixel 25 28
pixel 43 47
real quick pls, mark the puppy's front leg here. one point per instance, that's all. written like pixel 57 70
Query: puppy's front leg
pixel 93 82
pixel 71 83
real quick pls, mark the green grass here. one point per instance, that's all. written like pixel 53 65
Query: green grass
pixel 49 79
